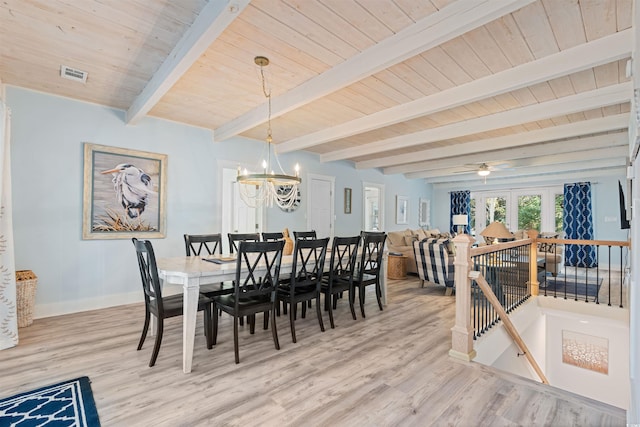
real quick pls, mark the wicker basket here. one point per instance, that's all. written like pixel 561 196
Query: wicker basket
pixel 26 282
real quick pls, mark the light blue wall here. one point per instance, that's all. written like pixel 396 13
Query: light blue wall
pixel 47 181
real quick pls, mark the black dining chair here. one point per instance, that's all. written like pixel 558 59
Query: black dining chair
pixel 370 267
pixel 266 237
pixel 162 307
pixel 305 235
pixel 339 278
pixel 235 238
pixel 255 287
pixel 207 244
pixel 195 244
pixel 306 278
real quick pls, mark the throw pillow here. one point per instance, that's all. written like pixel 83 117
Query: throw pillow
pixel 422 234
pixel 408 240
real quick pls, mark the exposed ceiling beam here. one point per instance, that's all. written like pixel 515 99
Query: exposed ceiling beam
pixel 558 177
pixel 578 58
pixel 609 95
pixel 448 23
pixel 535 170
pixel 573 156
pixel 604 124
pixel 214 18
pixel 509 154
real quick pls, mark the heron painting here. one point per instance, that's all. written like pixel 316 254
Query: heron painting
pixel 132 187
pixel 124 193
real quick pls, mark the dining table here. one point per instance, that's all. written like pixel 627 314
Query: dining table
pixel 193 271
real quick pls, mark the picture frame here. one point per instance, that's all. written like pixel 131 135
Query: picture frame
pixel 424 213
pixel 347 200
pixel 124 193
pixel 402 210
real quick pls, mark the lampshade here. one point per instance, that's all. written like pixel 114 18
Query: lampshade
pixel 460 220
pixel 496 230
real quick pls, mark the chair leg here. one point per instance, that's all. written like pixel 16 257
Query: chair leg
pixel 319 312
pixel 330 305
pixel 214 333
pixel 422 284
pixel 251 320
pixel 145 328
pixel 292 321
pixel 449 291
pixel 208 327
pixel 352 297
pixel 235 338
pixel 379 295
pixel 265 323
pixel 361 298
pixel 304 309
pixel 156 347
pixel 274 331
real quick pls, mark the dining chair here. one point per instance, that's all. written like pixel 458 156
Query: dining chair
pixel 304 235
pixel 235 238
pixel 255 287
pixel 266 237
pixel 339 278
pixel 162 307
pixel 306 278
pixel 370 267
pixel 207 244
pixel 195 243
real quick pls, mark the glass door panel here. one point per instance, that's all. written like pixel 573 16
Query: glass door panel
pixel 529 212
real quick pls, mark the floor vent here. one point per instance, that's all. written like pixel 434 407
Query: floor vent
pixel 73 74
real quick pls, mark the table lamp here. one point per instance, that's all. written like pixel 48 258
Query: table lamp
pixel 461 222
pixel 496 231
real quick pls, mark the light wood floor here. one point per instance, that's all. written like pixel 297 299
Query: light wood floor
pixel 389 369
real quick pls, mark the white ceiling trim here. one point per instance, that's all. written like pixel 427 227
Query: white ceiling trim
pixel 510 154
pixel 578 58
pixel 578 154
pixel 604 124
pixel 448 23
pixel 610 95
pixel 536 170
pixel 214 18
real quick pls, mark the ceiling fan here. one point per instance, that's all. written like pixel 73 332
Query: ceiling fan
pixel 484 169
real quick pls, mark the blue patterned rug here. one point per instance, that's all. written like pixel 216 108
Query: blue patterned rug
pixel 65 404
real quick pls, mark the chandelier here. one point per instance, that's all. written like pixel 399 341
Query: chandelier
pixel 268 187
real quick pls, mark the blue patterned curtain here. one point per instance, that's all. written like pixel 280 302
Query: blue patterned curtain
pixel 578 224
pixel 460 205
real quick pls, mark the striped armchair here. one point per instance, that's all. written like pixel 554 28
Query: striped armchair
pixel 434 262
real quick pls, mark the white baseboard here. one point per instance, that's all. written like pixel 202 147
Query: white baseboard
pixel 67 307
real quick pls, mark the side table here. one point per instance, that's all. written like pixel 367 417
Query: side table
pixel 397 267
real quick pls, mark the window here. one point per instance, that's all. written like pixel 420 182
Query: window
pixel 559 209
pixel 529 212
pixel 496 210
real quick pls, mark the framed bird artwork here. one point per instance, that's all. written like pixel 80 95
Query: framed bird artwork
pixel 124 193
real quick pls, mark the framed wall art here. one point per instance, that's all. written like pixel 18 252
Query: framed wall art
pixel 124 193
pixel 402 210
pixel 347 200
pixel 424 214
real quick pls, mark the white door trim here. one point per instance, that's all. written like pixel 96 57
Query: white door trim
pixel 332 181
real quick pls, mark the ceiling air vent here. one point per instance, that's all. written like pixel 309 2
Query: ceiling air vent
pixel 73 74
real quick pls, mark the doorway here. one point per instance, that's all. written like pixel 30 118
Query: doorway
pixel 373 206
pixel 320 204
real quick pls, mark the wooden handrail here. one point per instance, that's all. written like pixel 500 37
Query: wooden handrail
pixel 481 250
pixel 584 242
pixel 491 297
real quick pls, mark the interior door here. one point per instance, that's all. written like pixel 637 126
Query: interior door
pixel 237 217
pixel 320 204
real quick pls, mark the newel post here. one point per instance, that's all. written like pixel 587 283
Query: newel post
pixel 533 263
pixel 462 332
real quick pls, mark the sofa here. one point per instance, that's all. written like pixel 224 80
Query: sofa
pixel 402 242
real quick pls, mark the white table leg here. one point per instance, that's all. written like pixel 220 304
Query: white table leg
pixel 190 310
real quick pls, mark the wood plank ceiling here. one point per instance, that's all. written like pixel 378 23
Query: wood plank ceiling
pixel 431 89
